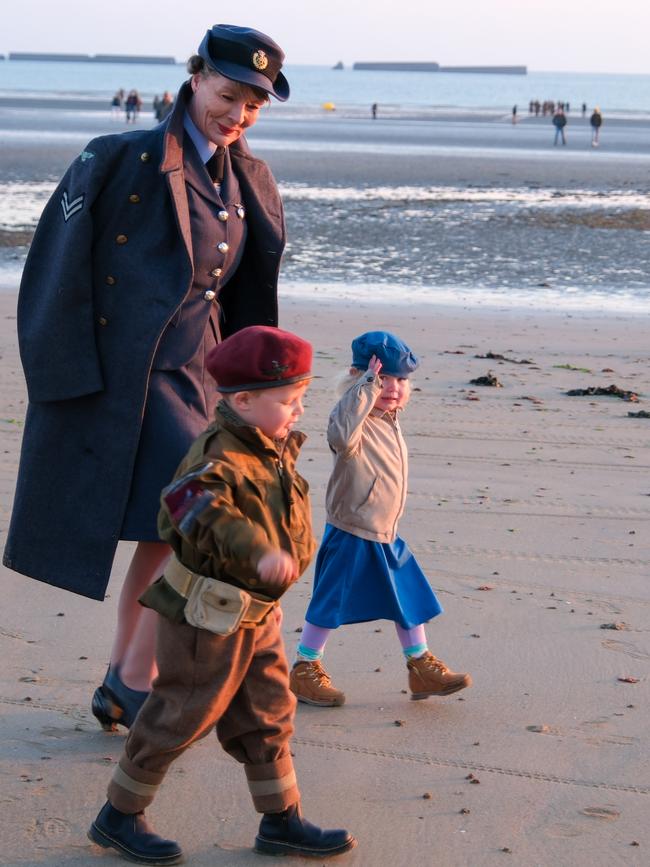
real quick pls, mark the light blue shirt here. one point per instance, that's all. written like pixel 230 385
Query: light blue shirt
pixel 204 146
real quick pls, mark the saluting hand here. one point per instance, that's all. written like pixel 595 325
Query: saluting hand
pixel 277 567
pixel 374 365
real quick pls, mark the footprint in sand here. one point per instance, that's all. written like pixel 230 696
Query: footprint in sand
pixel 585 732
pixel 607 812
pixel 564 831
pixel 626 647
pixel 50 827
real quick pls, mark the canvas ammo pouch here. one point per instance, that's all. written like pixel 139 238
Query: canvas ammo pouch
pixel 215 605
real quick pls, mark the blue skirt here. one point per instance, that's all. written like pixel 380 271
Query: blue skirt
pixel 357 580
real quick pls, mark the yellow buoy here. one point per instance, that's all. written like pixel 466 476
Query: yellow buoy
pixel 329 106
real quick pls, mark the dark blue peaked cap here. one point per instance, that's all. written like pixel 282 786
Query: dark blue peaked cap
pixel 247 56
pixel 396 358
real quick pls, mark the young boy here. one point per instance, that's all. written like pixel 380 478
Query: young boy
pixel 238 518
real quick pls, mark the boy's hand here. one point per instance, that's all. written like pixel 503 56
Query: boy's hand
pixel 374 365
pixel 277 567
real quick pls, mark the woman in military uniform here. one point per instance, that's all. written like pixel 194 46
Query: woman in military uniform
pixel 155 245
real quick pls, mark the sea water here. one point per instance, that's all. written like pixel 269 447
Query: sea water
pixel 316 85
pixel 488 245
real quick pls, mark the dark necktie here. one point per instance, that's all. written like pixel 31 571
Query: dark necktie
pixel 215 165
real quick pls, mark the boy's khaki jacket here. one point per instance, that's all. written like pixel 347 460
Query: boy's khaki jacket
pixel 234 498
pixel 367 489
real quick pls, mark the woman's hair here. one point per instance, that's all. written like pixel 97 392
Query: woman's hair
pixel 196 65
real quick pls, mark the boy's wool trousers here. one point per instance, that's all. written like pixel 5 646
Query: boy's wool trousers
pixel 237 684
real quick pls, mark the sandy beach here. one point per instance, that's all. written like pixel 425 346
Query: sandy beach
pixel 529 511
pixel 528 508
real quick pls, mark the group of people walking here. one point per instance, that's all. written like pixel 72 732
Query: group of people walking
pixel 162 404
pixel 558 112
pixel 127 105
pixel 547 107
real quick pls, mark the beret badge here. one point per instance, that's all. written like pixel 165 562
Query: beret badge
pixel 260 60
pixel 276 370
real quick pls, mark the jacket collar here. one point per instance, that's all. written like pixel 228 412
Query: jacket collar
pixel 253 437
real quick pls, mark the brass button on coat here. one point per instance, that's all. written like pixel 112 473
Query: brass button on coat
pixel 103 320
pixel 223 247
pixel 223 216
pixel 121 239
pixel 209 295
pixel 216 272
pixel 111 280
pixel 134 198
pixel 145 157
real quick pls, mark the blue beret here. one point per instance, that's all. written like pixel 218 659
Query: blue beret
pixel 247 56
pixel 396 358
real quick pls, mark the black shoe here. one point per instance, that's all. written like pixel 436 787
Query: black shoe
pixel 115 703
pixel 131 836
pixel 287 833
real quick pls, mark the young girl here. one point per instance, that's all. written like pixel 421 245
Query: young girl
pixel 364 570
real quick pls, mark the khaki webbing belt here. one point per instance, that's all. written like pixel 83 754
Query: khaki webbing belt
pixel 182 580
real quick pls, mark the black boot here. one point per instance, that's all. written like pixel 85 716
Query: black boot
pixel 131 836
pixel 115 703
pixel 287 833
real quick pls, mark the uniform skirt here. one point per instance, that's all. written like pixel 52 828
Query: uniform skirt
pixel 357 580
pixel 180 405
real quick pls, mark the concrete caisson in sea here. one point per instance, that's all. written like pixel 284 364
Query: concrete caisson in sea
pixel 435 67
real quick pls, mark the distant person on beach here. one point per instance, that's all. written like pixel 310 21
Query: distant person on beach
pixel 584 109
pixel 164 106
pixel 116 104
pixel 595 121
pixel 514 114
pixel 133 106
pixel 373 110
pixel 364 570
pixel 559 122
pixel 155 246
pixel 237 516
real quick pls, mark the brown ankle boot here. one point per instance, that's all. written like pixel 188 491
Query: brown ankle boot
pixel 311 684
pixel 430 676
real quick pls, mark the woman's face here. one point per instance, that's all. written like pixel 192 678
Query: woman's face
pixel 222 109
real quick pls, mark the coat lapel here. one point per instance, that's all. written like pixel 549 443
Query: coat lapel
pixel 260 193
pixel 172 167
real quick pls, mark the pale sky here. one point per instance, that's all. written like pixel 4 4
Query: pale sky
pixel 556 35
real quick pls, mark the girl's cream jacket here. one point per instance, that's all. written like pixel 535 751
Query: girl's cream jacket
pixel 367 489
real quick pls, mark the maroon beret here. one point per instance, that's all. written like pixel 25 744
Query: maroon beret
pixel 259 356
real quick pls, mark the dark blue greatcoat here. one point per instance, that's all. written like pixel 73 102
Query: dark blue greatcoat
pixel 109 267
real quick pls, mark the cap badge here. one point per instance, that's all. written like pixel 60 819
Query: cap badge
pixel 276 370
pixel 260 60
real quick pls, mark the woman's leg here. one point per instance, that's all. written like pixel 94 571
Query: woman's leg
pixel 135 636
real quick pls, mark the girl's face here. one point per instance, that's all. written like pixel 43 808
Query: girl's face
pixel 395 392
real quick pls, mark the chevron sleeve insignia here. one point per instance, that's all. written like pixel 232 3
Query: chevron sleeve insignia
pixel 70 207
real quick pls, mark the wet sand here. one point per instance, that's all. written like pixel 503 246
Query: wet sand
pixel 356 212
pixel 528 509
